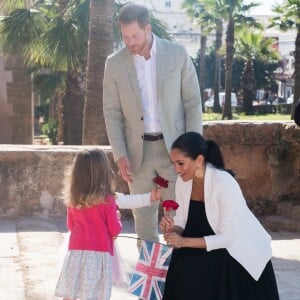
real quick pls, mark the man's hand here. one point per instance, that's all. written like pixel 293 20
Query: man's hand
pixel 125 169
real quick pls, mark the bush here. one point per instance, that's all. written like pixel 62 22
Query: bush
pixel 284 109
pixel 50 129
pixel 42 110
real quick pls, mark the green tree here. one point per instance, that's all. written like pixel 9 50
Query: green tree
pixel 207 13
pixel 54 44
pixel 288 17
pixel 53 37
pixel 251 45
pixel 100 37
pixel 234 12
pixel 217 71
pixel 264 74
pixel 196 10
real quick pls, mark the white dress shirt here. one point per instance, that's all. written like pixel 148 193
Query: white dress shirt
pixel 146 73
pixel 133 200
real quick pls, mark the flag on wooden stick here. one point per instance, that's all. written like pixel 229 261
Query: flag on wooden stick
pixel 148 280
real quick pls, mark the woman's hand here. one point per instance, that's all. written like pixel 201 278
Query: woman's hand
pixel 166 224
pixel 174 240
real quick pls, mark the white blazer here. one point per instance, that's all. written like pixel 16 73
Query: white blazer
pixel 235 227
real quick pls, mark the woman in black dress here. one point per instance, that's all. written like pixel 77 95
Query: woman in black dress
pixel 221 251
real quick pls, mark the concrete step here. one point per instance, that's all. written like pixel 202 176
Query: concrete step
pixel 281 223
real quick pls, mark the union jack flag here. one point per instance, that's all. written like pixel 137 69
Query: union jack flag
pixel 148 280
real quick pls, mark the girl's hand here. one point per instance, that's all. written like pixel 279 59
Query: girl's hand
pixel 156 194
pixel 166 224
pixel 173 239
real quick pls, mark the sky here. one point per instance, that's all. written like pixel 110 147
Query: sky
pixel 265 7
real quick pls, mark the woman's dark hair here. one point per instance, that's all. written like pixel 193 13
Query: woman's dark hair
pixel 192 144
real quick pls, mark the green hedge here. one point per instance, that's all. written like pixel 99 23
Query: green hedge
pixel 284 109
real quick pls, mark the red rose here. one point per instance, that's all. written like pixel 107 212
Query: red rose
pixel 161 181
pixel 170 205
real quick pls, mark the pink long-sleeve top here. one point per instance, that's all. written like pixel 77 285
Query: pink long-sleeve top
pixel 93 228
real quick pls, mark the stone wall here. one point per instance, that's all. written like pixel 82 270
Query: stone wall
pixel 264 156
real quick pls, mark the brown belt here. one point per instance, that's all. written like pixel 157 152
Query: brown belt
pixel 152 137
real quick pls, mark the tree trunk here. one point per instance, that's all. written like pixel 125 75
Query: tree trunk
pixel 296 73
pixel 201 78
pixel 62 6
pixel 73 104
pixel 60 119
pixel 227 113
pixel 100 45
pixel 218 44
pixel 248 81
pixel 27 3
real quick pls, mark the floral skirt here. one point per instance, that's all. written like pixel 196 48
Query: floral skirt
pixel 85 275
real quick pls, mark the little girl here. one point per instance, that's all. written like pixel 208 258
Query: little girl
pixel 93 224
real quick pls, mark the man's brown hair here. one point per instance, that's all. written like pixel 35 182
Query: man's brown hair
pixel 130 13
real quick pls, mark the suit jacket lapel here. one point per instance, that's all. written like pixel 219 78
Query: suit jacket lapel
pixel 160 67
pixel 130 67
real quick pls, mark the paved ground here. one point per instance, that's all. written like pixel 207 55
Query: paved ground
pixel 31 251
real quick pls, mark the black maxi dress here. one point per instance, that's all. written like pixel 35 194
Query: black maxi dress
pixel 195 274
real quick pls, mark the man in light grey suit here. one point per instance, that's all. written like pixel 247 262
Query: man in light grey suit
pixel 151 96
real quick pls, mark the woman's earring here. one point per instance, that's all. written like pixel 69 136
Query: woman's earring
pixel 199 173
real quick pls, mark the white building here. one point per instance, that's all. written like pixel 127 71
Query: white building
pixel 286 48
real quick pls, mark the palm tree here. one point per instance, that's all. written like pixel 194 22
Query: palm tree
pixel 54 47
pixel 252 45
pixel 100 37
pixel 53 35
pixel 218 45
pixel 233 12
pixel 205 13
pixel 6 7
pixel 289 18
pixel 198 13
